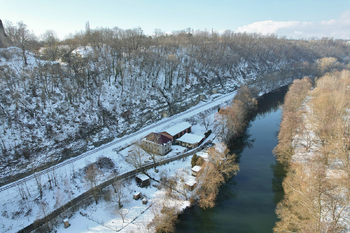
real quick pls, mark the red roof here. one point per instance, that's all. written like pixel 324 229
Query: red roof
pixel 161 138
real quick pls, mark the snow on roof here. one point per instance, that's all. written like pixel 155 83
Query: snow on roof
pixel 204 155
pixel 190 138
pixel 191 182
pixel 142 177
pixel 178 128
pixel 196 168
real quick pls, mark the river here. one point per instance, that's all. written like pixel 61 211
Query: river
pixel 247 202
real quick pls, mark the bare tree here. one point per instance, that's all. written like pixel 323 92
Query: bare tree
pixel 21 37
pixel 38 181
pixel 292 120
pixel 232 120
pixel 223 161
pixel 51 49
pixel 206 119
pixel 136 157
pixel 164 219
pixel 220 167
pixel 92 174
pixel 326 64
pixel 209 180
pixel 44 208
pixel 120 193
pixel 21 191
pixel 122 213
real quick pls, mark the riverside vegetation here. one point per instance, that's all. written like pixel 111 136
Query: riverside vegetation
pixel 314 144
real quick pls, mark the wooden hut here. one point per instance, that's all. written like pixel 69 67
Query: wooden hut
pixel 195 170
pixel 142 180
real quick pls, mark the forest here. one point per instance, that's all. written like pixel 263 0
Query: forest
pixel 60 98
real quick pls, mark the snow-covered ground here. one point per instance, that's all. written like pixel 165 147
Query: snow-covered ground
pixel 104 217
pixel 16 212
pixel 307 148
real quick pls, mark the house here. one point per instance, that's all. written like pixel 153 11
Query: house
pixel 190 140
pixel 156 143
pixel 195 170
pixel 177 131
pixel 142 180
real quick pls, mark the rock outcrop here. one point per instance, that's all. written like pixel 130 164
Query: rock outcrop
pixel 4 42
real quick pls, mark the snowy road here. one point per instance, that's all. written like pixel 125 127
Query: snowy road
pixel 128 139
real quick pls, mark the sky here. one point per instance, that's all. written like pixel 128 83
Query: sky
pixel 290 18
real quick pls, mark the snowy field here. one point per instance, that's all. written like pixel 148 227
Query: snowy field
pixel 104 217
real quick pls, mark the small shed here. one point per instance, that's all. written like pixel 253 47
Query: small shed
pixel 144 201
pixel 66 223
pixel 195 170
pixel 191 184
pixel 136 196
pixel 142 180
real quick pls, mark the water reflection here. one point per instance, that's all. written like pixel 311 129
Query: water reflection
pixel 238 145
pixel 247 202
pixel 271 102
pixel 227 191
pixel 279 173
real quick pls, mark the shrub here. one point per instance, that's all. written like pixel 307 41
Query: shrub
pixel 104 162
pixel 194 160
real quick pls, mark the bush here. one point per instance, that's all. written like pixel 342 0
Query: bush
pixel 104 162
pixel 194 160
pixel 200 161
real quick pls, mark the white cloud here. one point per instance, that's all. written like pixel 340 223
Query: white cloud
pixel 337 28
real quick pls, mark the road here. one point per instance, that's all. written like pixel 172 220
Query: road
pixel 190 112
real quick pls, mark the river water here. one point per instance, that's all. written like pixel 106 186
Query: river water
pixel 248 201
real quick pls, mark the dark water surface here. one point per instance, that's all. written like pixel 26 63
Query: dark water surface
pixel 247 202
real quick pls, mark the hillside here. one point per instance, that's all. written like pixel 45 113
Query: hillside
pixel 98 87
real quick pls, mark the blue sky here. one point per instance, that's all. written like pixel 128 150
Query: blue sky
pixel 296 18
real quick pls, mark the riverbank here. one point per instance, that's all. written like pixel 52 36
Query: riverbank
pixel 314 143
